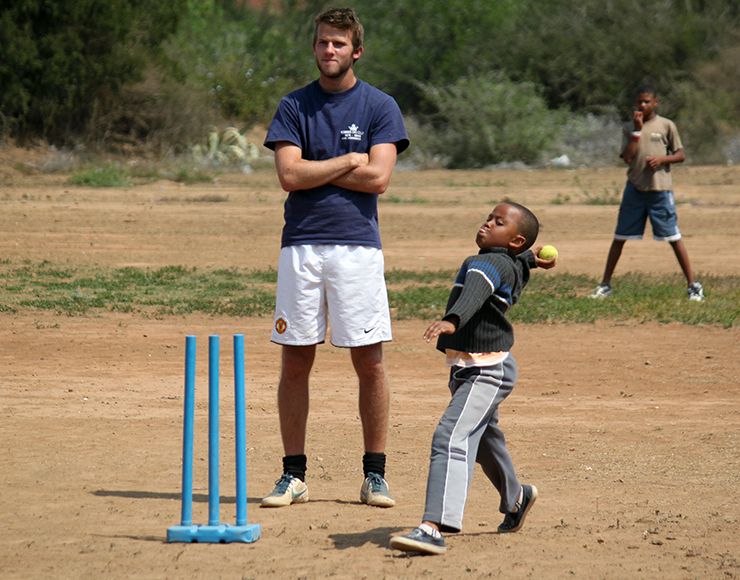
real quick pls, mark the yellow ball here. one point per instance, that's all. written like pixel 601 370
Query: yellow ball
pixel 548 252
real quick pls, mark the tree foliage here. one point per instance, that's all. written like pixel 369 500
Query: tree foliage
pixel 246 59
pixel 409 42
pixel 63 59
pixel 588 55
pixel 62 56
pixel 484 119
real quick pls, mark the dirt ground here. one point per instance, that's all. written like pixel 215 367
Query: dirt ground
pixel 631 431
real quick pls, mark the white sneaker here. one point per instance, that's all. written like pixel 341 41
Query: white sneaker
pixel 601 291
pixel 695 292
pixel 375 491
pixel 288 490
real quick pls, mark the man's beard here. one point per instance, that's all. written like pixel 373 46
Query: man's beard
pixel 340 72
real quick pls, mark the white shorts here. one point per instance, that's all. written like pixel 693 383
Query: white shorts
pixel 345 284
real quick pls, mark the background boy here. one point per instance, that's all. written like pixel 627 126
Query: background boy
pixel 476 337
pixel 650 144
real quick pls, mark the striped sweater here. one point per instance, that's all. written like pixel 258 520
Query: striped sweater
pixel 487 285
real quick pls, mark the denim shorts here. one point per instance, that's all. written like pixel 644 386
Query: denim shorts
pixel 637 206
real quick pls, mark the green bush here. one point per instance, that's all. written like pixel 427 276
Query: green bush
pixel 126 72
pixel 61 58
pixel 487 119
pixel 408 42
pixel 585 54
pixel 158 116
pixel 106 175
pixel 590 140
pixel 709 107
pixel 245 60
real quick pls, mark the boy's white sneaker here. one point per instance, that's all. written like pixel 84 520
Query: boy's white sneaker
pixel 601 291
pixel 695 292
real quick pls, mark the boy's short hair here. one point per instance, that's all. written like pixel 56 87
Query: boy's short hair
pixel 647 90
pixel 343 19
pixel 527 224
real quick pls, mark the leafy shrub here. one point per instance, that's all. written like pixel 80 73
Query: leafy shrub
pixel 488 119
pixel 709 107
pixel 424 41
pixel 60 58
pixel 246 59
pixel 160 115
pixel 105 175
pixel 245 93
pixel 133 75
pixel 583 53
pixel 591 140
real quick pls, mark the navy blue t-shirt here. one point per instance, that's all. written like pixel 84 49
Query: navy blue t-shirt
pixel 327 125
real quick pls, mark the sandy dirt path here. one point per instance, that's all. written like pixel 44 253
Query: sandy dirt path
pixel 630 431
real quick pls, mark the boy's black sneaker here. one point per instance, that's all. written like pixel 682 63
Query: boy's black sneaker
pixel 514 522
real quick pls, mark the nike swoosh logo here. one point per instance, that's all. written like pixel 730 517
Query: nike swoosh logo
pixel 368 331
pixel 295 495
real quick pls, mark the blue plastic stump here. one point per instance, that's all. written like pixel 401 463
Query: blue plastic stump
pixel 213 447
pixel 240 405
pixel 215 532
pixel 221 534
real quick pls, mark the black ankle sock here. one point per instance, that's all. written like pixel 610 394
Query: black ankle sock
pixel 374 463
pixel 295 465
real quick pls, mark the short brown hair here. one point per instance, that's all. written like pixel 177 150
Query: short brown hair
pixel 343 19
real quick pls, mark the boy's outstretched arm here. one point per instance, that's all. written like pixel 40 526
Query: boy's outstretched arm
pixel 441 327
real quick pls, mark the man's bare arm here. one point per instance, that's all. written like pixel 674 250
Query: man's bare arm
pixel 296 173
pixel 376 175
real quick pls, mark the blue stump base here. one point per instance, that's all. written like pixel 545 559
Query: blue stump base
pixel 220 534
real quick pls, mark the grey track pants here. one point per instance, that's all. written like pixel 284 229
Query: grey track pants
pixel 467 434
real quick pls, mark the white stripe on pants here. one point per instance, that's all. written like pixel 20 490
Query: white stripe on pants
pixel 468 433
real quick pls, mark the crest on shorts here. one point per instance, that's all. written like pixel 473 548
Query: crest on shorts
pixel 281 325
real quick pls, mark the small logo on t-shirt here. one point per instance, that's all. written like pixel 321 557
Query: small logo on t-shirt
pixel 353 133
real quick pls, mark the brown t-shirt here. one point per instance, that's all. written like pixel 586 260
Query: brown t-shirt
pixel 659 137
